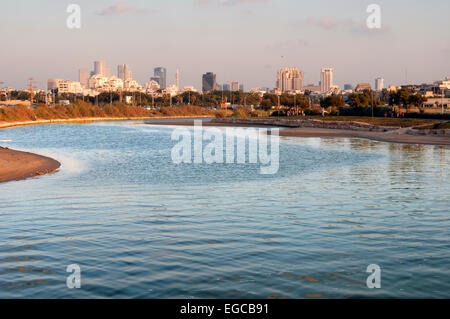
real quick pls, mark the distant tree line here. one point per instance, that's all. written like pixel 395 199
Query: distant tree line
pixel 404 97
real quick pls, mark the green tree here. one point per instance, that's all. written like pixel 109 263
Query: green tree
pixel 332 101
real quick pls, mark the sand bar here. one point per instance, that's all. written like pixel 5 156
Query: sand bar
pixel 17 165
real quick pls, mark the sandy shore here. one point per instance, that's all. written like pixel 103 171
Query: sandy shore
pixel 394 136
pixel 17 165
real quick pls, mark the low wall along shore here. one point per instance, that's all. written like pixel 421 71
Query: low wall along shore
pixel 340 125
pixel 428 132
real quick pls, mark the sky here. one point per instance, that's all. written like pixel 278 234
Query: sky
pixel 239 40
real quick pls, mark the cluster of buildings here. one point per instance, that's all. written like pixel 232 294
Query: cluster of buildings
pixel 289 80
pixel 209 84
pixel 92 83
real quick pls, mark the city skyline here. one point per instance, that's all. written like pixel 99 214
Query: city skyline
pixel 309 36
pixel 288 80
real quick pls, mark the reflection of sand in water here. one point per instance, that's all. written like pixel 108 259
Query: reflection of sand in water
pixel 26 284
pixel 307 278
pixel 24 258
pixel 28 270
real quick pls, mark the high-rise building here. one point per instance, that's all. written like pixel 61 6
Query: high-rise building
pixel 99 68
pixel 124 72
pixel 326 79
pixel 289 79
pixel 107 71
pixel 157 79
pixel 83 77
pixel 162 73
pixel 234 86
pixel 177 79
pixel 379 84
pixel 226 87
pixel 209 82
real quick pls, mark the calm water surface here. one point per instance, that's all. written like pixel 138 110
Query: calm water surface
pixel 140 226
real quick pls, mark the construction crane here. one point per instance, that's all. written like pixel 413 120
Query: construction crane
pixel 31 90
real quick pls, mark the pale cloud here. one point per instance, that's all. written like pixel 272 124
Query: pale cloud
pixel 328 23
pixel 346 25
pixel 229 2
pixel 289 44
pixel 364 30
pixel 120 8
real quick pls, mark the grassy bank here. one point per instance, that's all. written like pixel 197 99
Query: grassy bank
pixel 379 121
pixel 81 110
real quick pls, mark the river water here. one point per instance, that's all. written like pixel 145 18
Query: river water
pixel 140 226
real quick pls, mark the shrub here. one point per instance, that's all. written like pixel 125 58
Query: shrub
pixel 240 112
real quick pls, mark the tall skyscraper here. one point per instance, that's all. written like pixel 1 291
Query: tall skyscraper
pixel 379 84
pixel 177 79
pixel 157 79
pixel 289 79
pixel 234 86
pixel 83 77
pixel 162 73
pixel 124 72
pixel 209 82
pixel 99 68
pixel 326 79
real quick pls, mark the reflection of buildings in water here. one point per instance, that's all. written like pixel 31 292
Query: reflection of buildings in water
pixel 364 144
pixel 440 152
pixel 410 160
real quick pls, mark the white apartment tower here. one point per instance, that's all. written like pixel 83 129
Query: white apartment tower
pixel 289 79
pixel 177 79
pixel 83 77
pixel 124 72
pixel 326 80
pixel 379 84
pixel 100 68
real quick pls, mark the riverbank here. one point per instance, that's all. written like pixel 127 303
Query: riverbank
pixel 17 165
pixel 323 129
pixel 94 119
